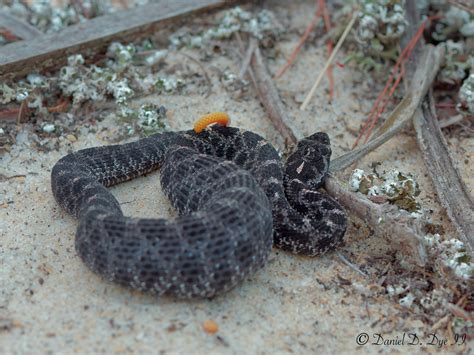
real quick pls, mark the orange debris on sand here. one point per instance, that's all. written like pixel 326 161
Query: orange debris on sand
pixel 210 326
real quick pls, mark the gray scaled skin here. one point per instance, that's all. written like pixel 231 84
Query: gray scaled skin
pixel 234 200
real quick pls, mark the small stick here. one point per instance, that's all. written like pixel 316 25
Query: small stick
pixel 328 63
pixel 351 265
pixel 204 71
pixel 241 52
pixel 330 48
pixel 247 59
pixel 461 6
pixel 266 89
pixel 451 121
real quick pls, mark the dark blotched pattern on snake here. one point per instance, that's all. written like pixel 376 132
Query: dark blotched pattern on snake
pixel 234 200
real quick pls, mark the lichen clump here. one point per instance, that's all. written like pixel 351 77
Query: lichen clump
pixel 151 118
pixel 466 95
pixel 451 253
pixel 381 22
pixel 380 25
pixel 53 16
pixel 233 21
pixel 393 186
pixel 455 67
pixel 454 21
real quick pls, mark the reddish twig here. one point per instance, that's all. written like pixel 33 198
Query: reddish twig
pixel 329 45
pixel 377 111
pixel 302 40
pixel 8 35
pixel 445 105
pixel 61 106
pixel 9 113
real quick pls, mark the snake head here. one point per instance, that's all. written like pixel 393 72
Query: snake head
pixel 309 163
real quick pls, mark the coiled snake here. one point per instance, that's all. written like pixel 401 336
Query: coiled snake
pixel 233 196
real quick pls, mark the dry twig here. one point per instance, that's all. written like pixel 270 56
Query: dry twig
pixel 270 98
pixel 302 40
pixel 451 190
pixel 204 71
pixel 330 47
pixel 248 57
pixel 328 63
pixel 398 71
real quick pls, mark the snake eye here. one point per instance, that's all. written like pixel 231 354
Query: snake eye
pixel 324 150
pixel 310 153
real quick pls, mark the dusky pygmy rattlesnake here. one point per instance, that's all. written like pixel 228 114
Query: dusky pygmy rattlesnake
pixel 234 199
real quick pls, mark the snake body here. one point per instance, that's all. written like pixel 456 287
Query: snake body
pixel 234 198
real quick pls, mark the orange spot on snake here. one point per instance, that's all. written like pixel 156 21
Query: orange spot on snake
pixel 221 118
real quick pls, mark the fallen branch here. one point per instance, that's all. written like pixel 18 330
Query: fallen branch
pixel 270 98
pixel 451 190
pixel 49 50
pixel 248 57
pixel 382 218
pixel 402 115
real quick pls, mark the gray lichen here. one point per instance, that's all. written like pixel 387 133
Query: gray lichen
pixel 381 21
pixel 455 66
pixel 53 16
pixel 233 20
pixel 151 118
pixel 454 20
pixel 466 95
pixel 451 253
pixel 393 186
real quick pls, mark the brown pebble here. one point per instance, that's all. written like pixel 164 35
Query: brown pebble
pixel 71 138
pixel 210 326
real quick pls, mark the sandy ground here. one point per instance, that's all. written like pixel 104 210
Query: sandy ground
pixel 51 302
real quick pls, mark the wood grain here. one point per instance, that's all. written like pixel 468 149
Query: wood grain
pixel 19 28
pixel 452 192
pixel 49 50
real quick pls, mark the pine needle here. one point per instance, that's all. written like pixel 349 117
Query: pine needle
pixel 302 40
pixel 328 63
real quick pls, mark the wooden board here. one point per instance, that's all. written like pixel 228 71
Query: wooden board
pixel 48 50
pixel 19 28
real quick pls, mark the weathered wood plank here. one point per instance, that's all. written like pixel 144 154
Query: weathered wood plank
pixel 52 49
pixel 452 192
pixel 19 28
